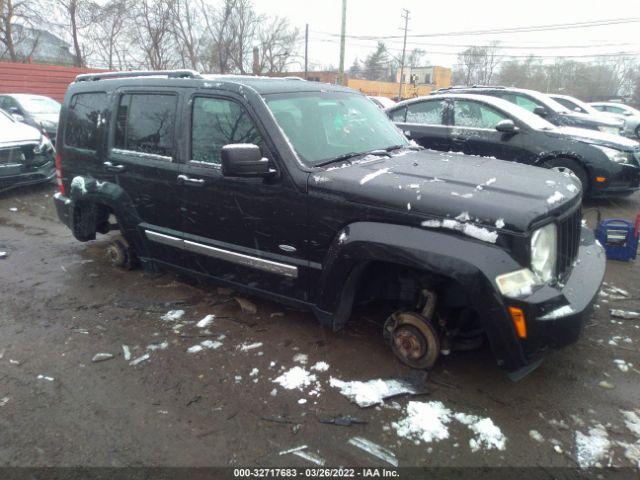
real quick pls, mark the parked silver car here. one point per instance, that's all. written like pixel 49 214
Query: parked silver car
pixel 630 115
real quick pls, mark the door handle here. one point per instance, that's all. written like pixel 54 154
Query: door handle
pixel 113 168
pixel 194 182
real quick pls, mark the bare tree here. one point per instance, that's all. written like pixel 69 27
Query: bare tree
pixel 277 41
pixel 243 23
pixel 109 30
pixel 477 65
pixel 17 19
pixel 216 55
pixel 77 14
pixel 187 29
pixel 153 33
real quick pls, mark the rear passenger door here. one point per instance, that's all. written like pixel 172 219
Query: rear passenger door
pixel 249 231
pixel 142 158
pixel 425 122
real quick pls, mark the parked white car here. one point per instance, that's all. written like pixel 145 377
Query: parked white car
pixel 630 115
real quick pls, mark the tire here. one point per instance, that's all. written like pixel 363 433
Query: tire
pixel 571 168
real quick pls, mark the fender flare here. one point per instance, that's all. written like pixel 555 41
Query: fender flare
pixel 88 190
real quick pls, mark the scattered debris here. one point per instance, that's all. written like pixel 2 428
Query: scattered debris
pixel 102 357
pixel 295 378
pixel 302 401
pixel 13 209
pixel 607 385
pixel 592 448
pixel 375 450
pixel 45 377
pixel 4 401
pixel 294 449
pixel 3 254
pixel 246 305
pixel 276 315
pixel 558 449
pixel 139 360
pixel 211 344
pixel 374 392
pixel 624 314
pixel 622 365
pixel 254 372
pixel 172 315
pixel 158 346
pixel 342 420
pixel 126 353
pixel 280 419
pixel 206 321
pixel 252 346
pixel 195 349
pixel 311 457
pixel 14 362
pixel 536 435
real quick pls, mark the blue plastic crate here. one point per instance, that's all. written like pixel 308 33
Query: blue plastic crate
pixel 619 238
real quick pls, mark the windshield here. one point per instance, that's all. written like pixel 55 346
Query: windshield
pixel 549 102
pixel 325 125
pixel 36 104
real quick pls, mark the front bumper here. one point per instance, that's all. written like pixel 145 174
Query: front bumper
pixel 555 314
pixel 619 180
pixel 17 175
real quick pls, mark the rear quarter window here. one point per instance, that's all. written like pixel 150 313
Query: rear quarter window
pixel 85 116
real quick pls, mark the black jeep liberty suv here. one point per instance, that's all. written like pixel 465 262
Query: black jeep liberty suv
pixel 307 194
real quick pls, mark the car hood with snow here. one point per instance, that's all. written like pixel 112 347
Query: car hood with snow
pixel 595 137
pixel 16 132
pixel 485 191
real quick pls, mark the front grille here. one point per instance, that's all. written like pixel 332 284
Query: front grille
pixel 568 241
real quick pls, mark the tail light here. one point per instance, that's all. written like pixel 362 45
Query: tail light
pixel 59 173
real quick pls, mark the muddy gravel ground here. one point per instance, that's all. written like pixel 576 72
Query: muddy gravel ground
pixel 62 303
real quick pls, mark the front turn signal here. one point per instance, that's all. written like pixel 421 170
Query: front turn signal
pixel 519 322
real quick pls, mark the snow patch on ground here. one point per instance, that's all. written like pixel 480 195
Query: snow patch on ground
pixel 371 392
pixel 301 358
pixel 428 422
pixel 536 435
pixel 206 321
pixel 320 367
pixel 245 347
pixel 592 448
pixel 295 378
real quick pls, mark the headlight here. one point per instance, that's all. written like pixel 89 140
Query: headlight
pixel 518 283
pixel 617 156
pixel 613 130
pixel 544 251
pixel 44 145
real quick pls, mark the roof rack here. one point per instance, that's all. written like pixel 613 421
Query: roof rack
pixel 463 87
pixel 92 77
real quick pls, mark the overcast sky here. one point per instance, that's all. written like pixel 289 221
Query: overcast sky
pixel 376 19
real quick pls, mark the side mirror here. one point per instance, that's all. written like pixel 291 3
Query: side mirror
pixel 243 160
pixel 541 111
pixel 17 117
pixel 507 126
pixel 627 114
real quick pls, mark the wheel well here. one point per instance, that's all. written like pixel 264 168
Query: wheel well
pixel 573 158
pixel 401 287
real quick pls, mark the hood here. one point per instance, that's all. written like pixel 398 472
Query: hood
pixel 17 132
pixel 595 137
pixel 434 186
pixel 588 118
pixel 46 117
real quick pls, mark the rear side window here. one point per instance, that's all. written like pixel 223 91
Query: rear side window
pixel 429 113
pixel 217 122
pixel 85 116
pixel 522 101
pixel 399 115
pixel 145 123
pixel 468 113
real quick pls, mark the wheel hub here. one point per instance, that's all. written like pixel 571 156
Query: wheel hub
pixel 413 339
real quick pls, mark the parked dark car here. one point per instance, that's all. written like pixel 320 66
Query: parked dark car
pixel 489 126
pixel 544 106
pixel 629 115
pixel 307 194
pixel 383 102
pixel 36 110
pixel 26 156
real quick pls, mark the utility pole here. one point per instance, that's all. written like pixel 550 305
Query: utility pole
pixel 405 15
pixel 306 49
pixel 342 42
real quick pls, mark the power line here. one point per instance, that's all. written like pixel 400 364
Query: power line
pixel 532 28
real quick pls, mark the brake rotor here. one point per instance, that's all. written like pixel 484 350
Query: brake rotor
pixel 412 339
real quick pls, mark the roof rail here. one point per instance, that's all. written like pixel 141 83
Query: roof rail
pixel 91 77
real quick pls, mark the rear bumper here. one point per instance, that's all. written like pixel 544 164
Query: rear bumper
pixel 18 175
pixel 63 208
pixel 555 315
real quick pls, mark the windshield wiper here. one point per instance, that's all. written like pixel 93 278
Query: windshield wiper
pixel 350 155
pixel 399 147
